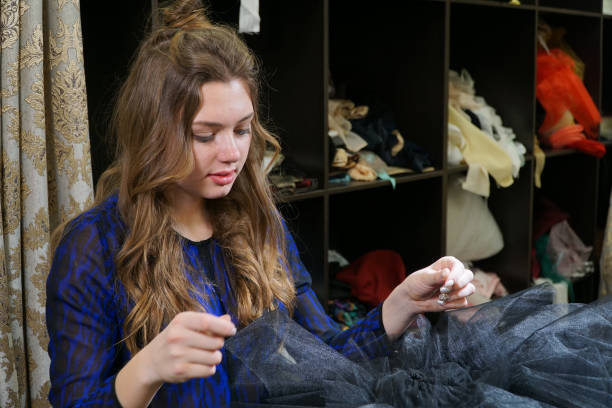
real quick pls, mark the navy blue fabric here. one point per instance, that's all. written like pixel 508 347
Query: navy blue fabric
pixel 86 308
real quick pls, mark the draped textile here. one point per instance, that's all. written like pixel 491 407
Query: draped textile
pixel 45 177
pixel 605 261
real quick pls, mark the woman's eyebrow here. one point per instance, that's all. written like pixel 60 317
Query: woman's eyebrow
pixel 217 124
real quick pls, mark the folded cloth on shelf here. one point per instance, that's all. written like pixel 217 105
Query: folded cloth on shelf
pixel 567 250
pixel 471 230
pixel 540 161
pixel 339 113
pixel 374 275
pixel 462 96
pixel 385 140
pixel 487 284
pixel 559 89
pixel 481 149
pixel 572 136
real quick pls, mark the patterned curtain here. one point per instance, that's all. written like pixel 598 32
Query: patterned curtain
pixel 45 178
pixel 605 261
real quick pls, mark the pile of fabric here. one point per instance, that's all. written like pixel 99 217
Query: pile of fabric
pixel 562 94
pixel 477 136
pixel 559 254
pixel 366 148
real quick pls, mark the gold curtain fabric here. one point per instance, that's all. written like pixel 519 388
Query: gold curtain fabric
pixel 45 178
pixel 605 261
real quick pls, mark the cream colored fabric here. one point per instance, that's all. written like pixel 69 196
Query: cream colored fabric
pixel 540 161
pixel 339 113
pixel 46 177
pixel 471 231
pixel 477 180
pixel 481 149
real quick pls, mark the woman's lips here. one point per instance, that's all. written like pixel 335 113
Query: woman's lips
pixel 223 178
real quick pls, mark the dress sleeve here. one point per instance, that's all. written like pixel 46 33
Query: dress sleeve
pixel 82 322
pixel 367 339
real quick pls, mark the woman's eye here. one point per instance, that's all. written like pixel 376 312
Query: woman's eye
pixel 245 131
pixel 203 138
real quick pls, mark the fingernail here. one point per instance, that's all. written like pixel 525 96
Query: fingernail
pixel 449 283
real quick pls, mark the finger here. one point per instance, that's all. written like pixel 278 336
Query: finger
pixel 199 370
pixel 448 286
pixel 456 269
pixel 434 277
pixel 446 297
pixel 466 291
pixel 206 323
pixel 204 357
pixel 452 304
pixel 465 278
pixel 204 341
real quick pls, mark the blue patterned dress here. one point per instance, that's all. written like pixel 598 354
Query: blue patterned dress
pixel 86 308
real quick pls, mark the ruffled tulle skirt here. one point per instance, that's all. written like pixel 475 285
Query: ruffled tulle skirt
pixel 520 350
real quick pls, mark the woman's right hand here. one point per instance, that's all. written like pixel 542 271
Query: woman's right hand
pixel 189 347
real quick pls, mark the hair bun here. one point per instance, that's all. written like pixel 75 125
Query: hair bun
pixel 184 14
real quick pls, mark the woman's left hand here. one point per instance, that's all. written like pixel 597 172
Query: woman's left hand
pixel 443 285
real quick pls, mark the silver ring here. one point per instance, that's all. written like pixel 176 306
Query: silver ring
pixel 444 297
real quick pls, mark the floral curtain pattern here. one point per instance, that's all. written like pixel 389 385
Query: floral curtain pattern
pixel 605 261
pixel 45 177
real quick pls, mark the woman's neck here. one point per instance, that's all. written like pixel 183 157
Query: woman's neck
pixel 190 217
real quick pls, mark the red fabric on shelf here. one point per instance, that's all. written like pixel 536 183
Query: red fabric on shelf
pixel 563 137
pixel 374 275
pixel 592 147
pixel 572 137
pixel 559 89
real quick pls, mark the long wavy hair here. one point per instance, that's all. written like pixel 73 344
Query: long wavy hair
pixel 152 125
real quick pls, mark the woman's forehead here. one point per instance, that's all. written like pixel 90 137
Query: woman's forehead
pixel 224 103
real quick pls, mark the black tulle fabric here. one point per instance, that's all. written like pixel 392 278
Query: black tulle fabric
pixel 518 351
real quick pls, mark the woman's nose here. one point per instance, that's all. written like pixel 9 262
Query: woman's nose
pixel 228 148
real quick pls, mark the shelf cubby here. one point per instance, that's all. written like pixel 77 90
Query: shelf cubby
pixel 395 65
pixel 498 52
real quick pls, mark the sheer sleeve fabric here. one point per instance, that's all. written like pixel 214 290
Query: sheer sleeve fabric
pixel 366 339
pixel 82 322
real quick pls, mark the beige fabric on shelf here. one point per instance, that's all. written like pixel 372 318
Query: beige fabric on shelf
pixel 46 177
pixel 339 113
pixel 477 180
pixel 481 149
pixel 540 161
pixel 471 231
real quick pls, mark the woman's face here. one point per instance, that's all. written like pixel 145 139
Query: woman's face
pixel 221 139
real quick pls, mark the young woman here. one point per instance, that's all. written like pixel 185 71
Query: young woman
pixel 184 244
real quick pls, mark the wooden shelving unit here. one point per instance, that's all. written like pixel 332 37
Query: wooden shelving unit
pixel 395 56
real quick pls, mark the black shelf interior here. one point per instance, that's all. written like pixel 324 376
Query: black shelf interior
pixel 498 53
pixel 511 208
pixel 407 220
pixel 290 47
pixel 307 225
pixel 571 183
pixel 582 5
pixel 106 55
pixel 395 65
